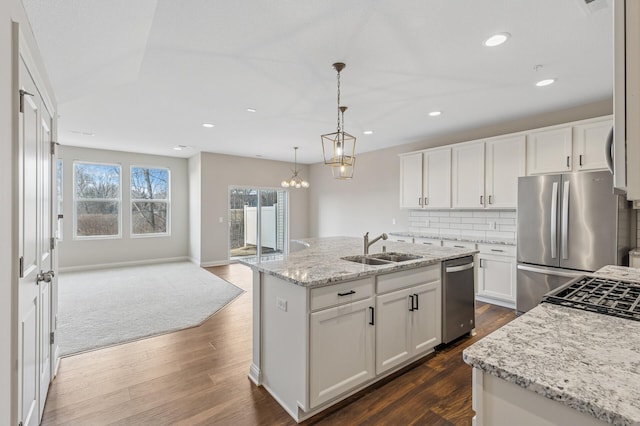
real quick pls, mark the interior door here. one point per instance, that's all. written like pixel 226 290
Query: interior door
pixel 28 290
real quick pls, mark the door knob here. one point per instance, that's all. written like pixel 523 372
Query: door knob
pixel 46 276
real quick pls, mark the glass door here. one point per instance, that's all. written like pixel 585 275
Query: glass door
pixel 257 222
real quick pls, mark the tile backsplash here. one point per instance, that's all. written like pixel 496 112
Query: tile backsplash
pixel 469 223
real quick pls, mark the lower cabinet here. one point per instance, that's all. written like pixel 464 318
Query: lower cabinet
pixel 408 320
pixel 341 349
pixel 497 275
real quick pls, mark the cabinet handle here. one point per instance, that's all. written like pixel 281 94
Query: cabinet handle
pixel 426 201
pixel 498 250
pixel 580 159
pixel 482 200
pixel 411 303
pixel 373 314
pixel 401 241
pixel 416 298
pixel 490 200
pixel 429 244
pixel 568 161
pixel 481 264
pixel 420 201
pixel 347 293
pixel 459 246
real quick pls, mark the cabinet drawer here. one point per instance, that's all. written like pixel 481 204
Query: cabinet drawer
pixel 407 278
pixel 459 244
pixel 427 241
pixel 338 294
pixel 497 249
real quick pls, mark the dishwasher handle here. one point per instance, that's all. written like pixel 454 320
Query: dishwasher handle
pixel 458 268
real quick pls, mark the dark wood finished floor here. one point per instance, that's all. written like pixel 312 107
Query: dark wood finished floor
pixel 199 377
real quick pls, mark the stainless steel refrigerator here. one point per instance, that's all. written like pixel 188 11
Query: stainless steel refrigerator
pixel 568 224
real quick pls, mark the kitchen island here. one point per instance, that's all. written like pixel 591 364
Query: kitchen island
pixel 557 365
pixel 325 328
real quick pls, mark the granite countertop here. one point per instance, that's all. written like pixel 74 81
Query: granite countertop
pixel 587 361
pixel 504 241
pixel 315 262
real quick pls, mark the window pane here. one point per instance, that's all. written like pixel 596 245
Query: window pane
pixel 97 180
pixel 149 184
pixel 149 217
pixel 97 218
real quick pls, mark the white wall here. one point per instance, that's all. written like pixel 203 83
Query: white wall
pixel 80 254
pixel 369 202
pixel 219 172
pixel 10 11
pixel 195 190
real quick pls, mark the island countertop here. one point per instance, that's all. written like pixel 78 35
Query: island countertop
pixel 317 261
pixel 587 361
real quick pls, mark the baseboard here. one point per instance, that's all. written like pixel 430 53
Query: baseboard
pixel 216 263
pixel 122 264
pixel 504 304
pixel 254 375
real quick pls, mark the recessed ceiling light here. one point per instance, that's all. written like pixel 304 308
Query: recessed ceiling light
pixel 368 132
pixel 179 147
pixel 251 110
pixel 497 39
pixel 208 125
pixel 546 82
pixel 435 113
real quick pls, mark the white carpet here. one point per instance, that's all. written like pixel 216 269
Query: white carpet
pixel 110 306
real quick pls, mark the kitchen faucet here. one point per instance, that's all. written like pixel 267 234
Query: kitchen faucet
pixel 368 243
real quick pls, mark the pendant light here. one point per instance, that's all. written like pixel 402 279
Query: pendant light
pixel 295 181
pixel 338 148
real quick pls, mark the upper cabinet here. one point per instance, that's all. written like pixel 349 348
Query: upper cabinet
pixel 467 167
pixel 570 148
pixel 504 163
pixel 425 179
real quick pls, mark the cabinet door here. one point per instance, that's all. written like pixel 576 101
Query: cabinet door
pixel 411 181
pixel 589 141
pixel 437 179
pixel 468 175
pixel 341 350
pixel 393 340
pixel 549 151
pixel 505 162
pixel 497 277
pixel 426 317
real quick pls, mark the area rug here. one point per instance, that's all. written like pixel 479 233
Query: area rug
pixel 111 306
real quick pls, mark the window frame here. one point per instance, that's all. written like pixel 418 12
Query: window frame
pixel 76 199
pixel 167 201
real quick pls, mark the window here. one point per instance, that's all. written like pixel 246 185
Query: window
pixel 149 201
pixel 97 200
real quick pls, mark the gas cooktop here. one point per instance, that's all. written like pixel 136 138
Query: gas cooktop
pixel 605 296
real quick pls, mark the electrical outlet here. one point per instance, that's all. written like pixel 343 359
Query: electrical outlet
pixel 393 221
pixel 281 304
pixel 492 224
pixel 427 223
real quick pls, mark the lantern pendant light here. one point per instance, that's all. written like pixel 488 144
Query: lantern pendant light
pixel 338 148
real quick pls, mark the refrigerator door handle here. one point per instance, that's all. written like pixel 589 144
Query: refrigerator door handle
pixel 565 220
pixel 548 271
pixel 554 221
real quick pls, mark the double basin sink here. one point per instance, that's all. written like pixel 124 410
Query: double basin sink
pixel 382 258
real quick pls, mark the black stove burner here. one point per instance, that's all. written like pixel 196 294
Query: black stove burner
pixel 601 295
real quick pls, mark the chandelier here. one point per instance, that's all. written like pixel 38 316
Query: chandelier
pixel 295 181
pixel 338 148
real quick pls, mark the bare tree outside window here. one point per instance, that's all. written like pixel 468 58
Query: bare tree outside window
pixel 97 199
pixel 149 201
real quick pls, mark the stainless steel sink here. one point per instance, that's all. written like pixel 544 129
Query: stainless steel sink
pixel 395 257
pixel 382 258
pixel 367 260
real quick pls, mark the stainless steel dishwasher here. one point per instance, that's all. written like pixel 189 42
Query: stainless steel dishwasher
pixel 458 294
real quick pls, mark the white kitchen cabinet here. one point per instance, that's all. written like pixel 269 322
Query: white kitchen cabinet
pixel 589 145
pixel 467 169
pixel 341 349
pixel 497 274
pixel 408 320
pixel 549 151
pixel 425 179
pixel 436 242
pixel 459 244
pixel 504 163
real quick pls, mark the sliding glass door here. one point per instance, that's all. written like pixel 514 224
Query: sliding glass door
pixel 257 222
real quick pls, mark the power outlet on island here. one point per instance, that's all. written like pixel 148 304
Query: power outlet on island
pixel 281 304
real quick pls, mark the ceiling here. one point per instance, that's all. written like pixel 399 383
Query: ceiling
pixel 145 75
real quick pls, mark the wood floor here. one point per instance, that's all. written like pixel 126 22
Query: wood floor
pixel 199 377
